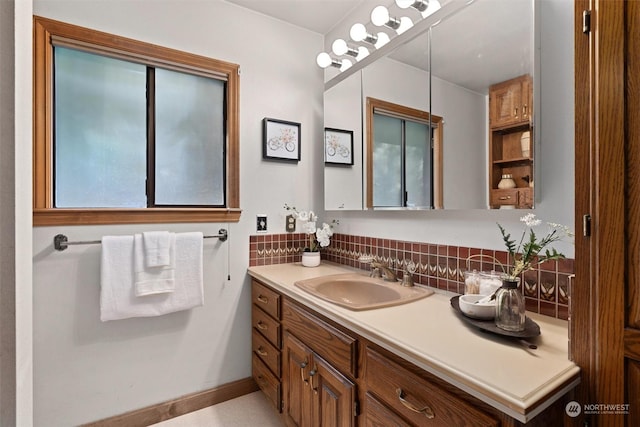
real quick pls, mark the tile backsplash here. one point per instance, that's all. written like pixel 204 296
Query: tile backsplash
pixel 440 266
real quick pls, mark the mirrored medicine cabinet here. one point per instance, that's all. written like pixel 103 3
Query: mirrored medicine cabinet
pixel 424 133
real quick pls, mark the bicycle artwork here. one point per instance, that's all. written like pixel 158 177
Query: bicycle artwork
pixel 338 146
pixel 281 140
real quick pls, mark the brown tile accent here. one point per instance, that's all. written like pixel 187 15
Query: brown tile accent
pixel 441 266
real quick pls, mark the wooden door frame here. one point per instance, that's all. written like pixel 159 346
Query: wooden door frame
pixel 597 295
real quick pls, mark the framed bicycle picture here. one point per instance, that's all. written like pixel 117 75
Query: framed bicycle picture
pixel 338 146
pixel 281 140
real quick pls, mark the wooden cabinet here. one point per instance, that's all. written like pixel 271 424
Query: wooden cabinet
pixel 414 398
pixel 510 102
pixel 511 143
pixel 266 342
pixel 327 375
pixel 315 393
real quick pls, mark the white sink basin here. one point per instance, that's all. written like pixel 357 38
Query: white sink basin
pixel 358 292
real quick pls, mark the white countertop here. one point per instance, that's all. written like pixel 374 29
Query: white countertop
pixel 502 372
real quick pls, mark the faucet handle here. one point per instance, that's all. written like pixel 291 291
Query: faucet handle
pixel 410 267
pixel 407 277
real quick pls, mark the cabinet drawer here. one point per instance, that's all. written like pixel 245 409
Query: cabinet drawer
pixel 378 415
pixel 504 197
pixel 416 399
pixel 336 347
pixel 266 299
pixel 267 382
pixel 267 352
pixel 266 325
pixel 525 197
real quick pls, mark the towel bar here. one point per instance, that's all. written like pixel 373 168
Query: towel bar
pixel 61 242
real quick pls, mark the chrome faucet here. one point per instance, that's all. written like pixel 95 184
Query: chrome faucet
pixel 384 270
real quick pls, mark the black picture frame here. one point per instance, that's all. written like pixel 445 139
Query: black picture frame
pixel 338 147
pixel 280 140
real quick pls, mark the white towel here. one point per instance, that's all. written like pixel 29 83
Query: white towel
pixel 157 248
pixel 117 295
pixel 157 279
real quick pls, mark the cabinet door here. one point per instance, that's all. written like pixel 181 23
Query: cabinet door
pixel 526 100
pixel 295 384
pixel 505 104
pixel 333 396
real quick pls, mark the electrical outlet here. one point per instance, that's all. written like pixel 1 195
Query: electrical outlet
pixel 261 223
pixel 290 225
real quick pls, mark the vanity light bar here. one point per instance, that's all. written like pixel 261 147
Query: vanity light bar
pixel 379 17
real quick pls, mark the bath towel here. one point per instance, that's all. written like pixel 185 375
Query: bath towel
pixel 157 248
pixel 156 279
pixel 117 295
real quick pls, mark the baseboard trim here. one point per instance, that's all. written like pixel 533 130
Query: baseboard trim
pixel 180 406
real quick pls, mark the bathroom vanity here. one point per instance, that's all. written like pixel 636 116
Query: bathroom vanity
pixel 411 364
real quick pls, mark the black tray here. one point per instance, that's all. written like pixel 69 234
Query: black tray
pixel 531 328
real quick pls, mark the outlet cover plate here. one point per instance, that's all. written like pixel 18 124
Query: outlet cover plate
pixel 291 224
pixel 261 223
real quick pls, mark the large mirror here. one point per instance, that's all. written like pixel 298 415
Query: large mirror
pixel 481 46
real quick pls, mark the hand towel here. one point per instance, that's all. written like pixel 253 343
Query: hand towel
pixel 152 280
pixel 157 248
pixel 117 296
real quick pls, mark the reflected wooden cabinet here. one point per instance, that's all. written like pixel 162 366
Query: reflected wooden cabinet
pixel 510 102
pixel 511 144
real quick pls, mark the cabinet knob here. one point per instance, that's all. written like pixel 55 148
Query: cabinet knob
pixel 426 410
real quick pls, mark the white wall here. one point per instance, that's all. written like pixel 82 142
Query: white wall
pixel 86 370
pixel 554 182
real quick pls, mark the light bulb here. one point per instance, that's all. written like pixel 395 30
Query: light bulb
pixel 434 5
pixel 419 5
pixel 379 16
pixel 323 60
pixel 383 38
pixel 363 52
pixel 339 47
pixel 403 4
pixel 405 24
pixel 358 32
pixel 346 64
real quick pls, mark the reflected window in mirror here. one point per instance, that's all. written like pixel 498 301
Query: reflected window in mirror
pixel 404 157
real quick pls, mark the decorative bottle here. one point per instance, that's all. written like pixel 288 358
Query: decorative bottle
pixel 510 311
pixel 507 181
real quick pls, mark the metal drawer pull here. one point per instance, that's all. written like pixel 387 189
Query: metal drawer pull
pixel 261 351
pixel 302 366
pixel 311 374
pixel 426 410
pixel 505 197
pixel 262 299
pixel 262 326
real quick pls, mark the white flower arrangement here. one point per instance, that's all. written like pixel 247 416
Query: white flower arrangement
pixel 318 237
pixel 529 251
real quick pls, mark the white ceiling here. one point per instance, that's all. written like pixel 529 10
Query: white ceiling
pixel 319 16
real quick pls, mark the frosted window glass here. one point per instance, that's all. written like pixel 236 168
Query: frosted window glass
pixel 418 164
pixel 189 140
pixel 99 131
pixel 387 161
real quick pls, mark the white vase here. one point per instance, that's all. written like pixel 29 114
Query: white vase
pixel 311 259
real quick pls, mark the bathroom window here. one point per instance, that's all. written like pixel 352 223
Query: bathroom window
pixel 404 155
pixel 129 132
